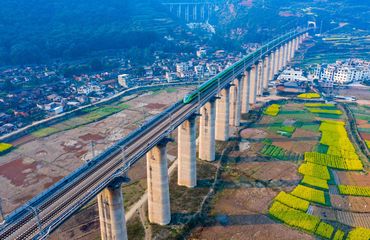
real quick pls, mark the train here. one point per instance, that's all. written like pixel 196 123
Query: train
pixel 255 55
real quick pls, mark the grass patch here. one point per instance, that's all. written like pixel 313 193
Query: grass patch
pixel 43 132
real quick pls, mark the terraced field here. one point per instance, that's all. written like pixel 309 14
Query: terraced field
pixel 318 184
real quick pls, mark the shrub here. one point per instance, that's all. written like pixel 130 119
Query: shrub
pixel 354 190
pixel 359 234
pixel 292 201
pixel 325 230
pixel 293 217
pixel 5 147
pixel 314 170
pixel 316 182
pixel 310 194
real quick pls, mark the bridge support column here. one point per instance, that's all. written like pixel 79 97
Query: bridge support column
pixel 260 68
pixel 266 72
pixel 297 43
pixel 207 131
pixel 246 92
pixel 272 66
pixel 277 61
pixel 292 51
pixel 253 85
pixel 223 115
pixel 158 187
pixel 285 62
pixel 288 58
pixel 112 214
pixel 281 57
pixel 187 154
pixel 235 102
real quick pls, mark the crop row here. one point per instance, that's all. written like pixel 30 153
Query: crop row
pixel 354 190
pixel 335 136
pixel 333 161
pixel 308 95
pixel 292 201
pixel 325 111
pixel 318 105
pixel 314 170
pixel 359 234
pixel 293 217
pixel 276 152
pixel 316 182
pixel 325 230
pixel 309 194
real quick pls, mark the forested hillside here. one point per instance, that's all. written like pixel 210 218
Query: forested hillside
pixel 32 31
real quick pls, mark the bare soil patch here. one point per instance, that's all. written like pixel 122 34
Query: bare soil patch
pixel 278 170
pixel 350 203
pixel 155 106
pixel 23 169
pixel 353 178
pixel 91 137
pixel 241 214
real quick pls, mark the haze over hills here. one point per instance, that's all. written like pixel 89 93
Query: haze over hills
pixel 36 31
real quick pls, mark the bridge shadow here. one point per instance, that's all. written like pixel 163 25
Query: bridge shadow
pixel 223 219
pixel 279 124
pixel 276 139
pixel 247 182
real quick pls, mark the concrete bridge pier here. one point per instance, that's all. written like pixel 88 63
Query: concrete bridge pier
pixel 236 102
pixel 187 154
pixel 158 186
pixel 289 55
pixel 296 43
pixel 292 51
pixel 246 92
pixel 207 131
pixel 260 68
pixel 277 61
pixel 253 85
pixel 112 213
pixel 285 62
pixel 272 66
pixel 281 58
pixel 266 73
pixel 223 115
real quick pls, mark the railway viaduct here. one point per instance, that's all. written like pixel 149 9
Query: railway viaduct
pixel 191 10
pixel 230 94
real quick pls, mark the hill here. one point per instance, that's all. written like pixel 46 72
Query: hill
pixel 33 31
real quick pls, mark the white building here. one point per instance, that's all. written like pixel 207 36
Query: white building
pixel 199 71
pixel 343 72
pixel 292 75
pixel 182 69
